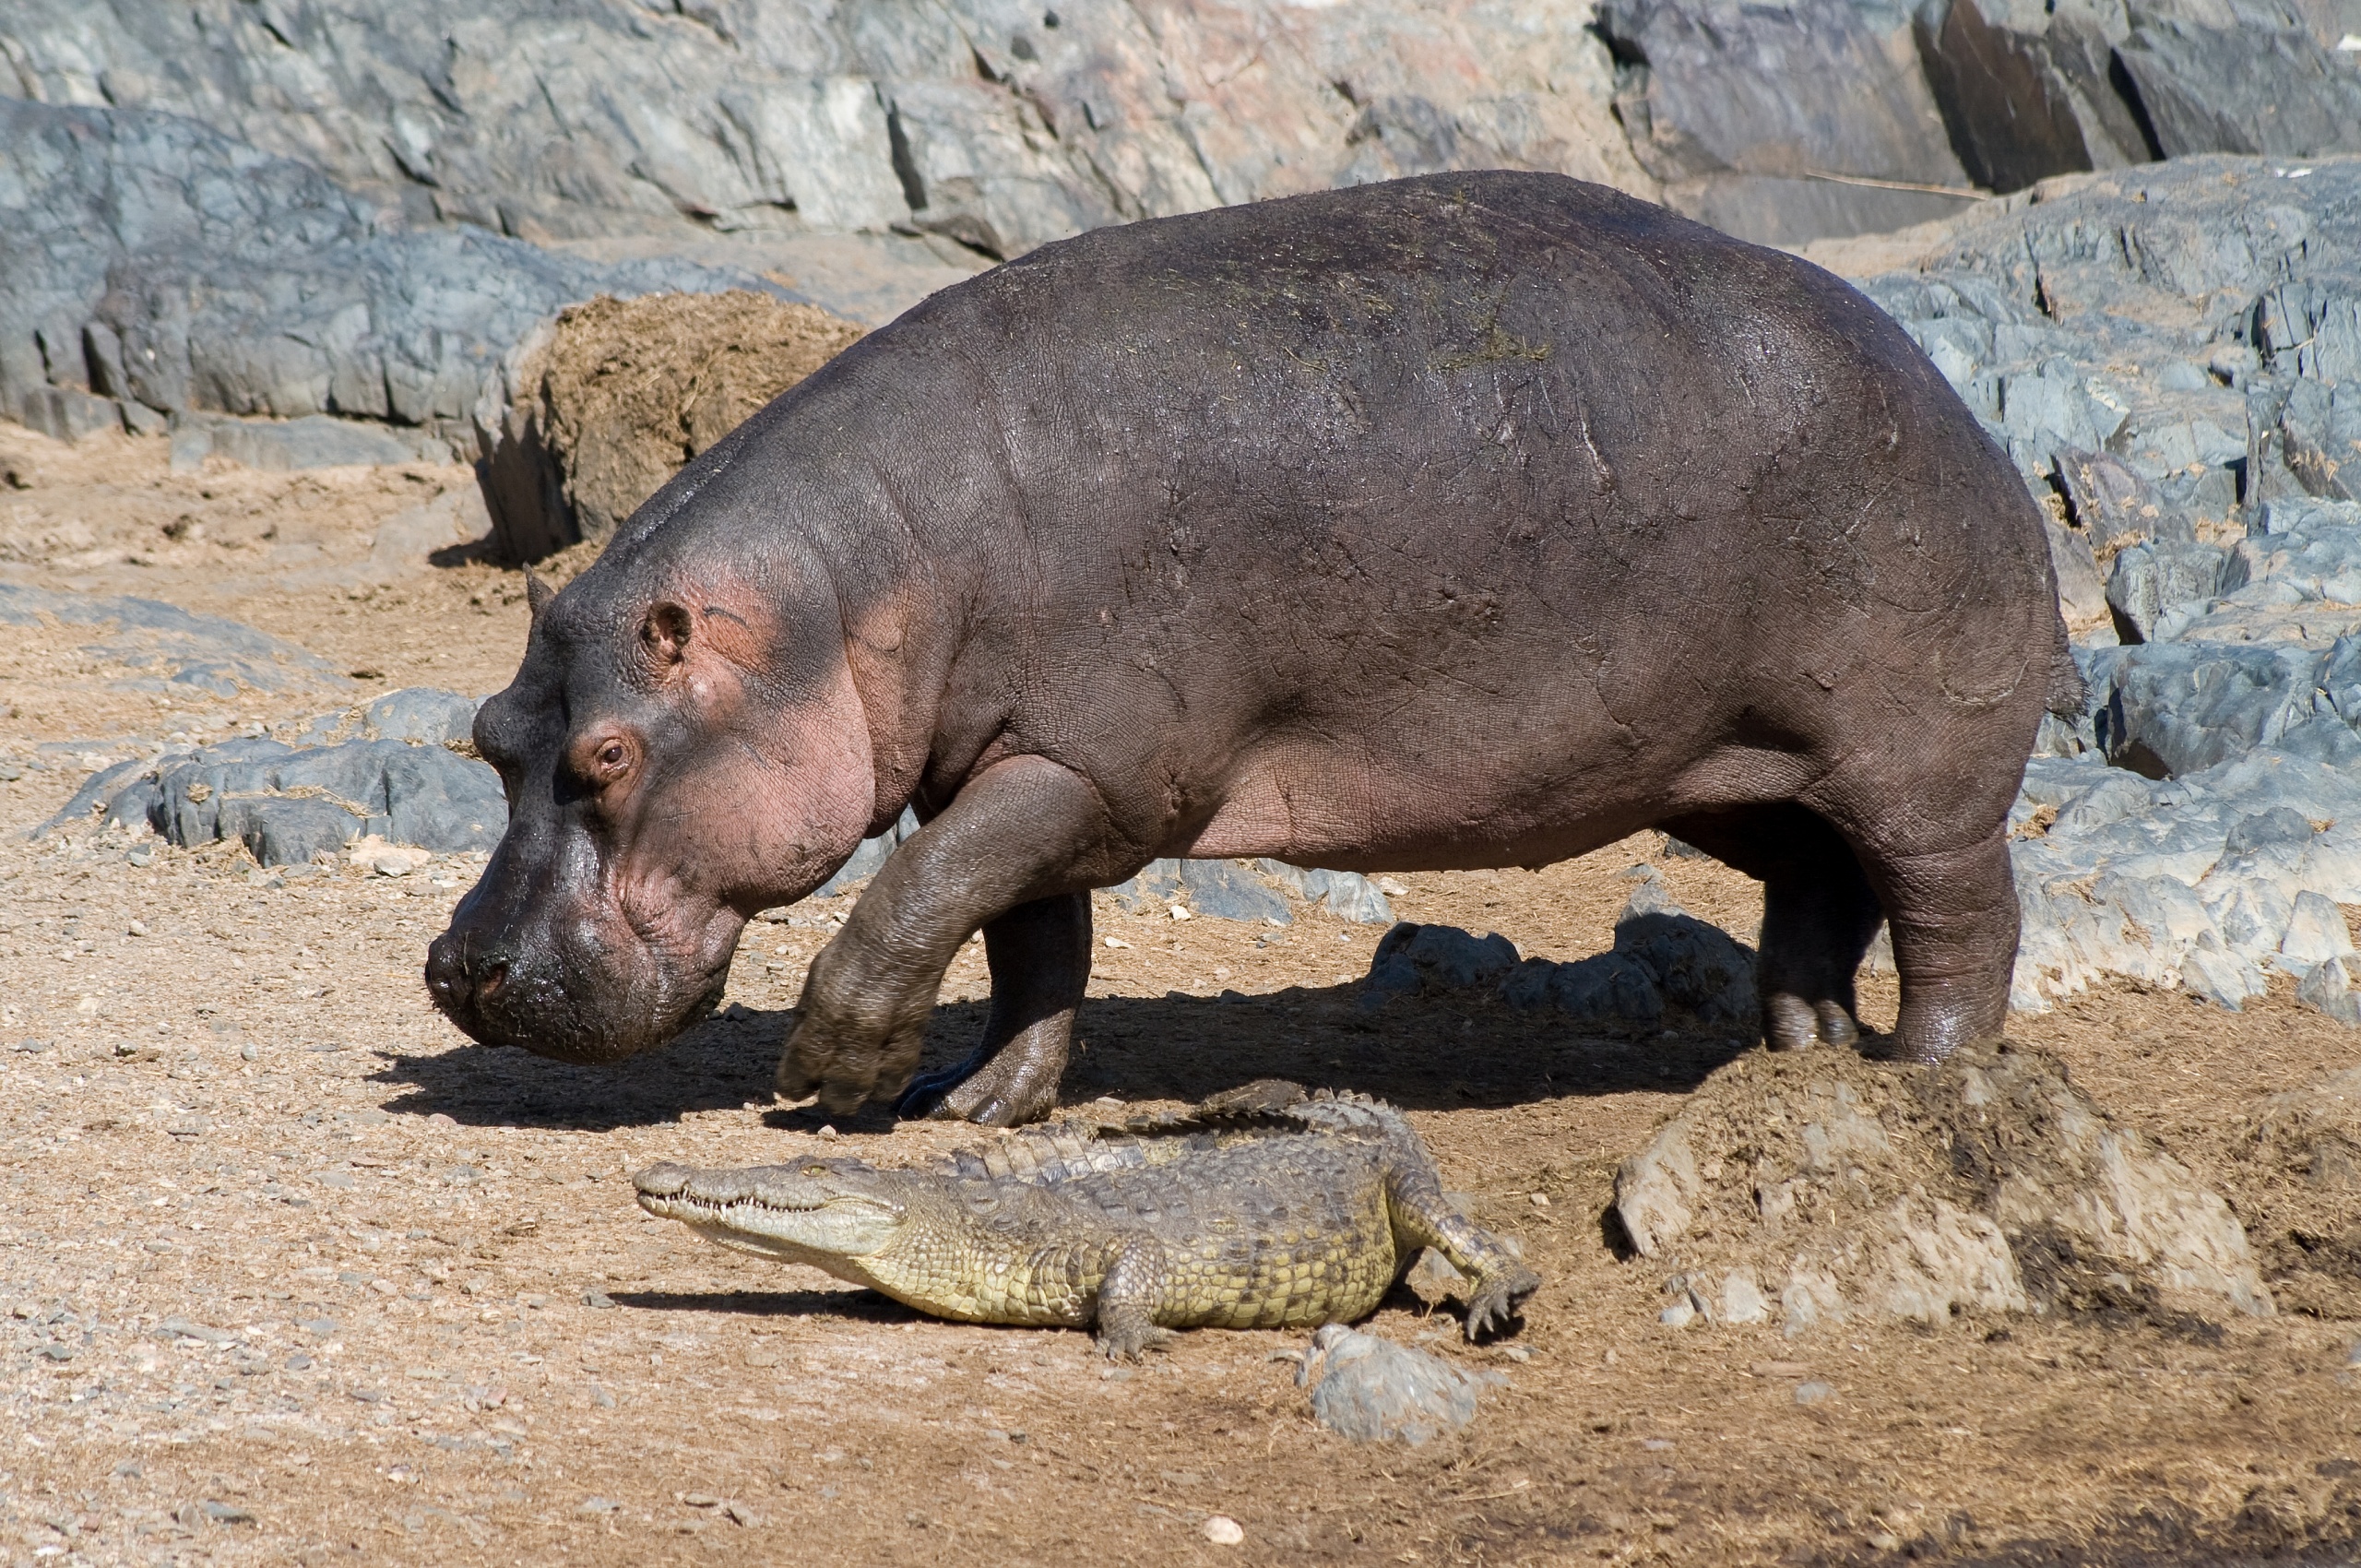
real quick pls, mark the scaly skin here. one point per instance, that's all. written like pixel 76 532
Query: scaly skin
pixel 1262 1208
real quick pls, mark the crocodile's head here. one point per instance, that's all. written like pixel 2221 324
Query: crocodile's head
pixel 816 1211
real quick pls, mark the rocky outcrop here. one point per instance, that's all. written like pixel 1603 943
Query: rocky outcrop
pixel 1000 126
pixel 148 260
pixel 2164 350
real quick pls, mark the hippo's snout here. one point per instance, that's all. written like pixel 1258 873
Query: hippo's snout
pixel 459 974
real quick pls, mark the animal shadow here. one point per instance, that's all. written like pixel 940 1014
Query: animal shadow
pixel 1422 1052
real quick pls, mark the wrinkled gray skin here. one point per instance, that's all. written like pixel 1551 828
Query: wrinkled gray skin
pixel 1471 521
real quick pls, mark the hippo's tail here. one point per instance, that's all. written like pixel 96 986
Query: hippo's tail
pixel 2068 695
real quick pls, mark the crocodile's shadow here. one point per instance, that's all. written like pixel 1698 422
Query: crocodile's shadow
pixel 851 1303
pixel 1419 1052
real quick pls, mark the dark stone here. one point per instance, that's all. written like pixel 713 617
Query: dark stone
pixel 1412 957
pixel 2020 107
pixel 1610 988
pixel 441 800
pixel 1696 966
pixel 280 831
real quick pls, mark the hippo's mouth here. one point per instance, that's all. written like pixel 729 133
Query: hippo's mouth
pixel 591 1014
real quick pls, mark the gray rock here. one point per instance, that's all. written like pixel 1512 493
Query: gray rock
pixel 1227 891
pixel 291 806
pixel 2311 328
pixel 984 123
pixel 2149 579
pixel 2320 426
pixel 316 441
pixel 2316 934
pixel 64 413
pixel 182 649
pixel 1373 1390
pixel 2334 987
pixel 1348 895
pixel 2242 87
pixel 1715 107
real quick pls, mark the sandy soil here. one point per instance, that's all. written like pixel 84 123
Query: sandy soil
pixel 290 1272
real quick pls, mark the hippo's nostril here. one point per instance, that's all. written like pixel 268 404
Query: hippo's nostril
pixel 489 978
pixel 446 975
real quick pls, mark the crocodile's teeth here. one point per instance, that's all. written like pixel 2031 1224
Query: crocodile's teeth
pixel 664 1181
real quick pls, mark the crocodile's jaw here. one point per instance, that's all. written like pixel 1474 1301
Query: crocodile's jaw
pixel 781 1214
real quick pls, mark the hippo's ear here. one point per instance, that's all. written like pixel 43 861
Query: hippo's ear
pixel 665 634
pixel 538 592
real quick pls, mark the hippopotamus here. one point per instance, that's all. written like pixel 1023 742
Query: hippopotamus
pixel 1470 521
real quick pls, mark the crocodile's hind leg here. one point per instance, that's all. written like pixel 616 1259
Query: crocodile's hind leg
pixel 1423 1218
pixel 1130 1298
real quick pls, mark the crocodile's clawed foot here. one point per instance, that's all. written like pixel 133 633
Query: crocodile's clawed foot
pixel 1499 1301
pixel 1128 1342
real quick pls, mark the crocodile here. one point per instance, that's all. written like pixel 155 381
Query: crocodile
pixel 1266 1206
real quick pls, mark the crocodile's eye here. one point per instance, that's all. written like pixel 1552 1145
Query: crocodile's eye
pixel 816 1171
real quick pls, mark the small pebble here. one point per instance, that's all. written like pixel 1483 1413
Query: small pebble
pixel 1813 1393
pixel 1179 912
pixel 1541 1200
pixel 1223 1531
pixel 828 1131
pixel 137 928
pixel 1116 941
pixel 1518 1353
pixel 249 1052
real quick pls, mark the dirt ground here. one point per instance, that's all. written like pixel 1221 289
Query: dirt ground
pixel 290 1272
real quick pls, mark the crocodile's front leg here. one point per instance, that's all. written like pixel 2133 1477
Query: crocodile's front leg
pixel 1131 1296
pixel 1422 1217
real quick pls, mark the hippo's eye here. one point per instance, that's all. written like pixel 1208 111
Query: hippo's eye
pixel 610 756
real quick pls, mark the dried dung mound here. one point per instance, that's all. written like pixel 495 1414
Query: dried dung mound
pixel 2301 1194
pixel 610 399
pixel 1808 1187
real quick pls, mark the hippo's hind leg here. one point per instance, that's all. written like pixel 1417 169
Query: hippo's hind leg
pixel 1819 916
pixel 1953 916
pixel 1039 957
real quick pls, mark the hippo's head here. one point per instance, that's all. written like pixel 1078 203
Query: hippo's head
pixel 681 748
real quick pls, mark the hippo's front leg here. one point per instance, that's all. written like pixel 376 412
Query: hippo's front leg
pixel 1014 856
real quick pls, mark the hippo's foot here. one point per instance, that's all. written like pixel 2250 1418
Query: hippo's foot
pixel 1004 1089
pixel 1790 1023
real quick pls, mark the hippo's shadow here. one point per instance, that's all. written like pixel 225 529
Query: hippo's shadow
pixel 1422 1052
